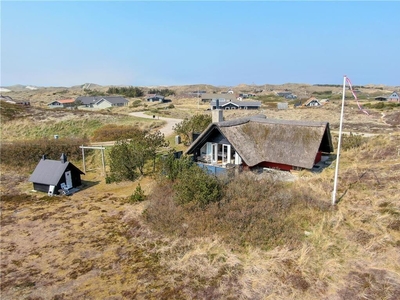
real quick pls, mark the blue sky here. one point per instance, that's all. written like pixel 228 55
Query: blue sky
pixel 219 43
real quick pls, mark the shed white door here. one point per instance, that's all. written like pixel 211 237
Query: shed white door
pixel 68 179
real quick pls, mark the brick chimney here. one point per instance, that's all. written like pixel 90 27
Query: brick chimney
pixel 217 114
pixel 63 158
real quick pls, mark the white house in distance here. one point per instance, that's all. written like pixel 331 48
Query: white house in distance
pixel 312 102
pixel 63 103
pixel 101 102
pixel 393 97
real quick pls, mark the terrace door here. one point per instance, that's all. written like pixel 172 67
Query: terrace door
pixel 214 153
pixel 226 154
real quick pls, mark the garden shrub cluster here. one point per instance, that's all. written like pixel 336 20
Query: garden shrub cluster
pixel 28 153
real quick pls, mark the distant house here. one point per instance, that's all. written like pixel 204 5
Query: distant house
pixel 245 96
pixel 286 95
pixel 206 97
pixel 64 103
pixel 312 102
pixel 228 104
pixel 381 98
pixel 256 142
pixel 155 98
pixel 394 97
pixel 51 176
pixel 282 105
pixel 101 102
pixel 10 100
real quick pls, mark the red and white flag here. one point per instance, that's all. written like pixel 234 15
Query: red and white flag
pixel 355 96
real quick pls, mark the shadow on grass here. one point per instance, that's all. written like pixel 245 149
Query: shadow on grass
pixel 88 184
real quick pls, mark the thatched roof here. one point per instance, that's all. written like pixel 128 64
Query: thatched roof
pixel 258 139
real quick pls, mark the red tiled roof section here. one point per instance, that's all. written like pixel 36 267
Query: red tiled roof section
pixel 66 101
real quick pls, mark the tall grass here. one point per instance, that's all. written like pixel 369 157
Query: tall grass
pixel 260 213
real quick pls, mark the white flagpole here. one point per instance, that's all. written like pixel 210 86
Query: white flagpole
pixel 339 143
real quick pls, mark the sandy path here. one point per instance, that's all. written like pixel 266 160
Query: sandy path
pixel 167 129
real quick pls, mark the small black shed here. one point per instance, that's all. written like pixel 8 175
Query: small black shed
pixel 50 176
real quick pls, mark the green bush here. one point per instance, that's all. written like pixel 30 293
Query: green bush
pixel 172 167
pixel 138 195
pixel 194 185
pixel 136 103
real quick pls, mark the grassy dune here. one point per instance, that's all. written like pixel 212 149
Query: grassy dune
pixel 96 245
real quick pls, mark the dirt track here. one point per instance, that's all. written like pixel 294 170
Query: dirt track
pixel 167 129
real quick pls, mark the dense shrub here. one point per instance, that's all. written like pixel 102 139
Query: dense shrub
pixel 28 153
pixel 193 185
pixel 262 213
pixel 136 103
pixel 172 167
pixel 138 195
pixel 128 157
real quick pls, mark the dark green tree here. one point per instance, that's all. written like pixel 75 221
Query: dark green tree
pixel 128 157
pixel 138 195
pixel 155 141
pixel 195 124
pixel 195 185
pixel 172 167
pixel 123 166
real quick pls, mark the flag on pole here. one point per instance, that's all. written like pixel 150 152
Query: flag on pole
pixel 355 96
pixel 345 79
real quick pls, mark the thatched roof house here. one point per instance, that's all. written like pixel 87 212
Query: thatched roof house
pixel 261 142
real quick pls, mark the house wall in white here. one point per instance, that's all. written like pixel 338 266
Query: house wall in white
pixel 394 97
pixel 101 104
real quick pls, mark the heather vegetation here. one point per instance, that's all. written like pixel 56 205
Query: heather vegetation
pixel 113 132
pixel 244 212
pixel 27 153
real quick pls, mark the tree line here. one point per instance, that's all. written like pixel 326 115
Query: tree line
pixel 130 91
pixel 162 92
